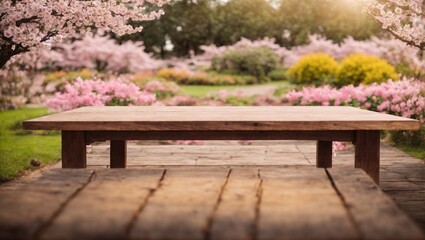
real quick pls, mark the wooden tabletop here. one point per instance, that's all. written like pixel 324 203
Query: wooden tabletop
pixel 155 118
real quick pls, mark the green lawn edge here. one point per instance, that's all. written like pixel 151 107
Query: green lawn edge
pixel 204 90
pixel 19 147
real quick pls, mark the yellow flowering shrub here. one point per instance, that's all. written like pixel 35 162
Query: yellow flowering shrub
pixel 316 69
pixel 62 76
pixel 175 75
pixel 359 68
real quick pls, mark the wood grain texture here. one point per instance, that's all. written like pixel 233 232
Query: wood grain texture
pixel 375 214
pixel 300 203
pixel 93 136
pixel 198 202
pixel 105 207
pixel 367 153
pixel 27 210
pixel 154 118
pixel 181 207
pixel 324 154
pixel 74 149
pixel 235 217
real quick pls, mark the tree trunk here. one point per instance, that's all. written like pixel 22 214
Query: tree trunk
pixel 6 53
pixel 4 59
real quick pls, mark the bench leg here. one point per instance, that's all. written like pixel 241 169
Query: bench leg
pixel 367 153
pixel 74 149
pixel 118 154
pixel 324 154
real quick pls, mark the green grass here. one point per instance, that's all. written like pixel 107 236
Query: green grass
pixel 414 151
pixel 204 90
pixel 18 147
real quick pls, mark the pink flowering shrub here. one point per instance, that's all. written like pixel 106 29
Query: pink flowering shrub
pixel 99 93
pixel 103 53
pixel 404 98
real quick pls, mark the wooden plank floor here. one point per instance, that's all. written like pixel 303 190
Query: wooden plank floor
pixel 267 190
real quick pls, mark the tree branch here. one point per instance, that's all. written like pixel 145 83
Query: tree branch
pixel 26 20
pixel 412 43
pixel 49 35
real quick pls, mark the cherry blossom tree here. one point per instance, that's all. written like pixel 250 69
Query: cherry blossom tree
pixel 404 19
pixel 30 24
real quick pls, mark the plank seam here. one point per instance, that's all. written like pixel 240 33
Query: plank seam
pixel 302 153
pixel 42 229
pixel 259 196
pixel 210 220
pixel 346 206
pixel 142 206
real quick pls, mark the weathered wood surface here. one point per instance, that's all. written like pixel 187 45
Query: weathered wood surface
pixel 106 206
pixel 26 212
pixel 371 210
pixel 237 215
pixel 300 203
pixel 183 206
pixel 402 177
pixel 153 118
pixel 202 202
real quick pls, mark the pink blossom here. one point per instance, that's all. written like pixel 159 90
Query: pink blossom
pixel 403 98
pixel 99 93
pixel 30 24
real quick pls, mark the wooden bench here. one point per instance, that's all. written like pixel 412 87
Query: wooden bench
pixel 86 125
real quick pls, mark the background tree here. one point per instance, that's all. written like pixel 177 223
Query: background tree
pixel 251 19
pixel 188 24
pixel 28 24
pixel 333 19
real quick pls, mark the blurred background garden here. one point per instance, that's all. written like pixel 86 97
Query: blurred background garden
pixel 212 52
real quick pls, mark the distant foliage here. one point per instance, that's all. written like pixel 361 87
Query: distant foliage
pixel 358 68
pixel 64 76
pixel 162 90
pixel 258 62
pixel 315 69
pixel 99 93
pixel 226 98
pixel 189 77
pixel 394 51
pixel 278 74
pixel 212 51
pixel 406 59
